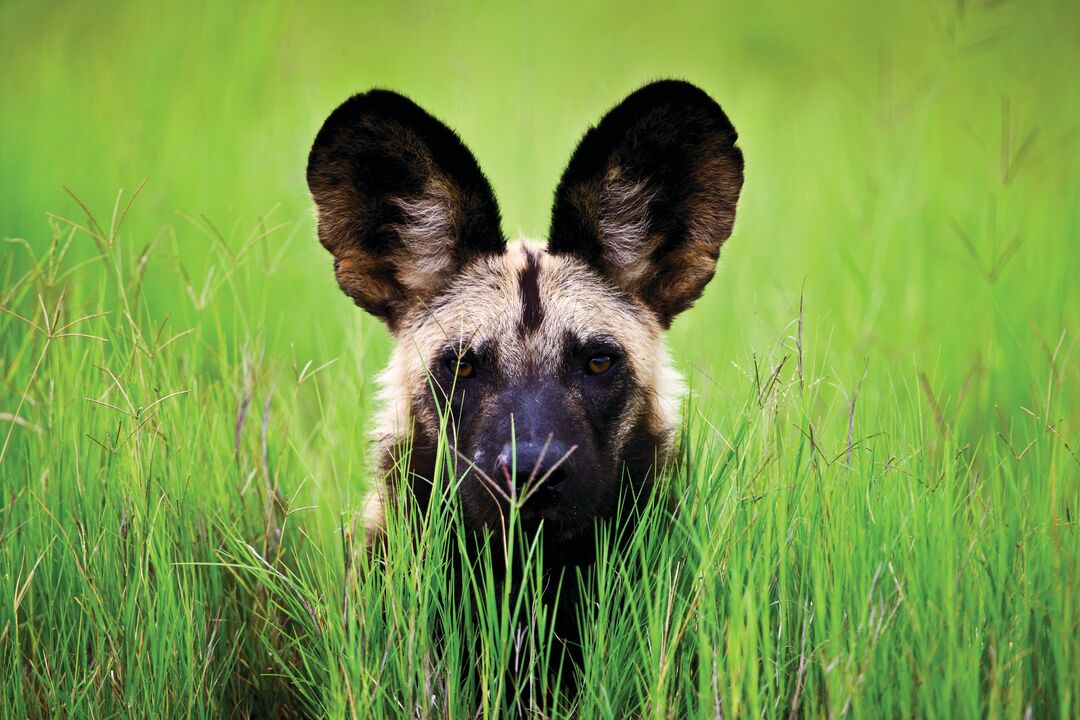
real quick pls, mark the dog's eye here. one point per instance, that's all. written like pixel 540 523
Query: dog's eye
pixel 461 368
pixel 599 364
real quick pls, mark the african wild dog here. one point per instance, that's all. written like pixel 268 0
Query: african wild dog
pixel 566 340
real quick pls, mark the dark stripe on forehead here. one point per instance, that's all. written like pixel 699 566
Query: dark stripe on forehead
pixel 532 309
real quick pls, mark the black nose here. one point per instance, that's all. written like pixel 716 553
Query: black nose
pixel 534 468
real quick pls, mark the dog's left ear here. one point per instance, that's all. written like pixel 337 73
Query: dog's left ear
pixel 403 205
pixel 649 195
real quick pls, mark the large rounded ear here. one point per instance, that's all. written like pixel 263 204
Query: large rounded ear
pixel 649 195
pixel 402 203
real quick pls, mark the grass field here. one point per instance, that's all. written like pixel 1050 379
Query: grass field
pixel 881 515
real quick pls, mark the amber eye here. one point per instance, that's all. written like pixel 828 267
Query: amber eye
pixel 599 364
pixel 461 368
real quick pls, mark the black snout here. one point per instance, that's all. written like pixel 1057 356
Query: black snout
pixel 534 468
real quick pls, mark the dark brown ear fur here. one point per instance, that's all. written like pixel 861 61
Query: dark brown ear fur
pixel 649 195
pixel 402 202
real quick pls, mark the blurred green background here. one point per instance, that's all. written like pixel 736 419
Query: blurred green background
pixel 909 227
pixel 895 152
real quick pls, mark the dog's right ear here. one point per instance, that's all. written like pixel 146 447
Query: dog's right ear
pixel 402 203
pixel 650 194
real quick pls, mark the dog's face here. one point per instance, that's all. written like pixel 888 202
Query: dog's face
pixel 548 364
pixel 549 375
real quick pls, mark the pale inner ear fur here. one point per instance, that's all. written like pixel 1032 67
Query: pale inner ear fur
pixel 623 225
pixel 429 233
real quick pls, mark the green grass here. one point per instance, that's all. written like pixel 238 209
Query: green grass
pixel 880 518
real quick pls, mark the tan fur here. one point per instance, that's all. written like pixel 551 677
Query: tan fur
pixel 483 303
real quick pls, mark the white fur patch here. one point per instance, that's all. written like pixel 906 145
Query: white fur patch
pixel 428 231
pixel 623 226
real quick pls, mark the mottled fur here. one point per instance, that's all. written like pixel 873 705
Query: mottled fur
pixel 639 217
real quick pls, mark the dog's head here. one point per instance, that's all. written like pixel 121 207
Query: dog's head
pixel 548 363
